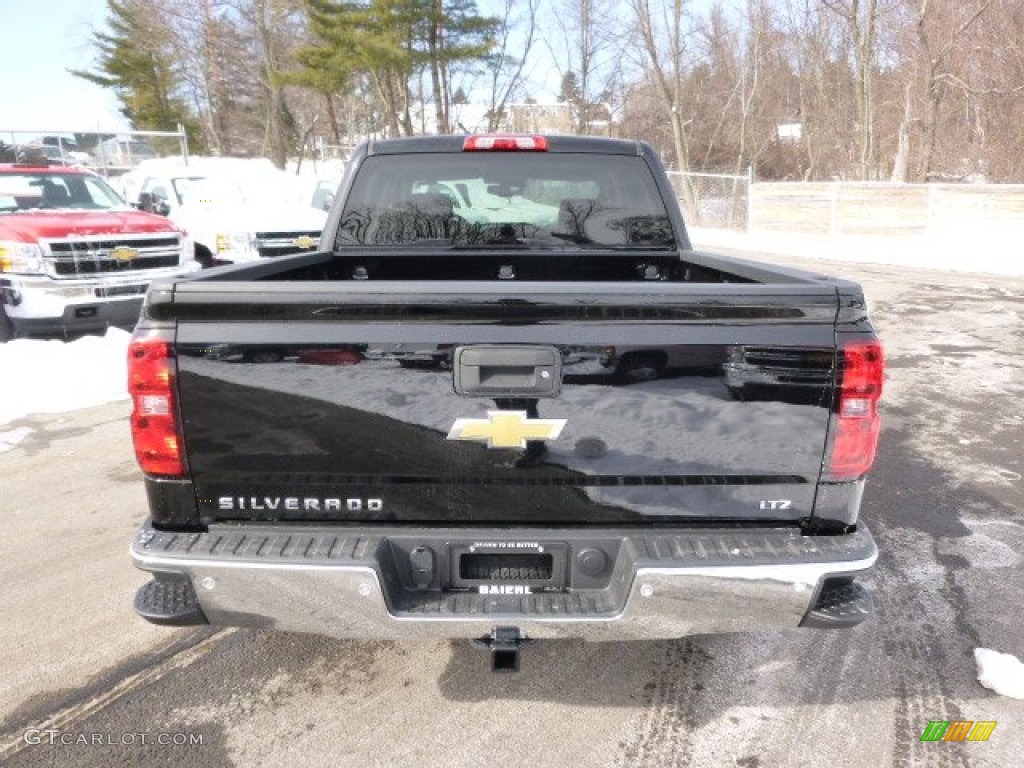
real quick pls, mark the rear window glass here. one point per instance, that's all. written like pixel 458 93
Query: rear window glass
pixel 481 199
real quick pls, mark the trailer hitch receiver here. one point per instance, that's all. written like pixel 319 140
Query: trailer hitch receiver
pixel 504 644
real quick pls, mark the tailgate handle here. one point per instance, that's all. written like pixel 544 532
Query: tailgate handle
pixel 507 370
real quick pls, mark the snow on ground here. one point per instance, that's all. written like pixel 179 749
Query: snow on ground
pixel 11 438
pixel 997 252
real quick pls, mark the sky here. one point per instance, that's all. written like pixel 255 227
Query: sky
pixel 41 41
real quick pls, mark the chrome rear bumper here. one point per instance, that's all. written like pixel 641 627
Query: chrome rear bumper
pixel 351 583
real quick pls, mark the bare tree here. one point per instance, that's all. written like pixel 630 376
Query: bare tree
pixel 208 46
pixel 862 20
pixel 232 53
pixel 269 23
pixel 748 85
pixel 994 84
pixel 590 46
pixel 662 35
pixel 942 32
pixel 505 70
pixel 932 87
pixel 814 41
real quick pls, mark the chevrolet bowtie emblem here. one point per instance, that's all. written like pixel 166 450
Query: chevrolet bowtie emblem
pixel 305 241
pixel 506 429
pixel 124 253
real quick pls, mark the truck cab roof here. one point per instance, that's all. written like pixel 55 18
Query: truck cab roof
pixel 554 143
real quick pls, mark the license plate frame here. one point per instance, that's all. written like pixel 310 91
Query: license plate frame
pixel 535 566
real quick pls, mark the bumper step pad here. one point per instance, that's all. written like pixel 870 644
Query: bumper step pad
pixel 840 607
pixel 169 603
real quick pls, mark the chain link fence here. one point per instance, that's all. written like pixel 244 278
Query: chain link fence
pixel 840 209
pixel 713 200
pixel 108 153
pixel 324 151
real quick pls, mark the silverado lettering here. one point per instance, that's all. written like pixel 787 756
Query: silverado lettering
pixel 292 503
pixel 649 441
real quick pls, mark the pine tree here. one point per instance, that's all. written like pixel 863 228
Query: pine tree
pixel 392 40
pixel 135 60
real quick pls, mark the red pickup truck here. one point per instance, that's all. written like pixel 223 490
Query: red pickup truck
pixel 73 255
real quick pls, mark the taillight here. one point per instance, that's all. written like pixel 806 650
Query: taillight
pixel 151 374
pixel 857 421
pixel 505 143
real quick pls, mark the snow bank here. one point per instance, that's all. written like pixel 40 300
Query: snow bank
pixel 55 376
pixel 1000 672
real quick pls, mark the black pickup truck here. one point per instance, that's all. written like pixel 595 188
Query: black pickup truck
pixel 435 426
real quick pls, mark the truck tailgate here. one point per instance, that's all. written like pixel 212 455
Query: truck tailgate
pixel 676 403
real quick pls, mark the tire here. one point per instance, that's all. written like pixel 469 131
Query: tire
pixel 737 393
pixel 203 256
pixel 418 363
pixel 7 331
pixel 639 368
pixel 263 356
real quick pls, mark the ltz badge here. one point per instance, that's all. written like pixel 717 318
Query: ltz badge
pixel 506 429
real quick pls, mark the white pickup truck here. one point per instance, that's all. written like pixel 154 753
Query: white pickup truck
pixel 234 211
